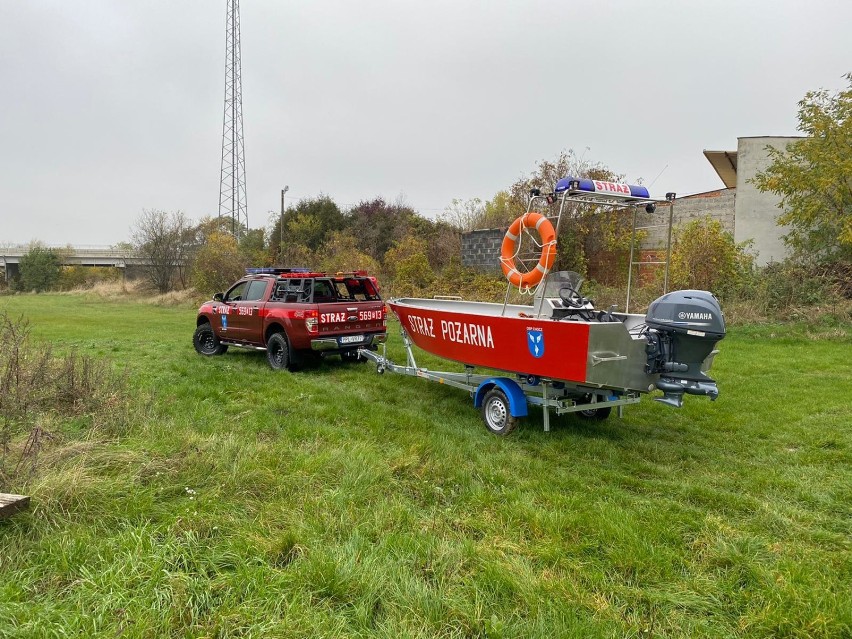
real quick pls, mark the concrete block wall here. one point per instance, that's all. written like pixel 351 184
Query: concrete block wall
pixel 481 249
pixel 718 205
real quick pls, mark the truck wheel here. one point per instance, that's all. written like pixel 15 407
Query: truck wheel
pixel 205 341
pixel 278 352
pixel 495 413
pixel 598 414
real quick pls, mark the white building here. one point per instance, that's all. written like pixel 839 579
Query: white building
pixel 755 213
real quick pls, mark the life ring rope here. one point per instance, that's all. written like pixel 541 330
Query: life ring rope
pixel 525 281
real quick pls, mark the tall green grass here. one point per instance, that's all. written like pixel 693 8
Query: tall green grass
pixel 233 501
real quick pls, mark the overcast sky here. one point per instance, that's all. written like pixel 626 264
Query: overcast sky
pixel 111 107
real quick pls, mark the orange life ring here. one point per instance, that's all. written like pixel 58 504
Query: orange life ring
pixel 509 248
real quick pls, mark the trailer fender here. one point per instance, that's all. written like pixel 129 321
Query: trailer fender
pixel 517 399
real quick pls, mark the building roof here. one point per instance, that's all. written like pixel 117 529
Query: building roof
pixel 725 164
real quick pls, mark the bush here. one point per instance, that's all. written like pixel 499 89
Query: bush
pixel 705 257
pixel 470 284
pixel 342 253
pixel 407 265
pixel 38 387
pixel 783 285
pixel 71 277
pixel 40 268
pixel 217 264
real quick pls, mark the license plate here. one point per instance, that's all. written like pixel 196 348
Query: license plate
pixel 351 339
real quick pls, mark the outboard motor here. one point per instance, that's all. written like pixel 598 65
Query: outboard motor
pixel 684 327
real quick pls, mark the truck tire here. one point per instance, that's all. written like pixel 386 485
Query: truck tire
pixel 279 354
pixel 205 341
pixel 496 414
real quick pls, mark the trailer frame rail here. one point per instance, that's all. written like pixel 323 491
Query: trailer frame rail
pixel 559 396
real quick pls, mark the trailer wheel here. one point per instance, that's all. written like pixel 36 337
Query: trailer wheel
pixel 495 413
pixel 598 414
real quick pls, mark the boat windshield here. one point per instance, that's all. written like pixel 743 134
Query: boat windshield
pixel 561 279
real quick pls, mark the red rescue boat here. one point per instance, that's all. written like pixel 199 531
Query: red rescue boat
pixel 563 353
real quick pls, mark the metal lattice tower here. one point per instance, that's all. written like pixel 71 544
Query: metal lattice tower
pixel 232 185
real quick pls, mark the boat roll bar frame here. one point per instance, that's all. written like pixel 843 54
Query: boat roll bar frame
pixel 523 390
pixel 576 195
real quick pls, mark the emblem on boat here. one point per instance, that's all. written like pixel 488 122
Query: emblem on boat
pixel 535 341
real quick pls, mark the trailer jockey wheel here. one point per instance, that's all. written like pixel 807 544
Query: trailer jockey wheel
pixel 496 414
pixel 598 414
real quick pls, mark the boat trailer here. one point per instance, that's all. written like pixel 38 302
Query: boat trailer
pixel 500 409
pixel 560 352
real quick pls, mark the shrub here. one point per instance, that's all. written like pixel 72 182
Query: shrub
pixel 470 284
pixel 38 387
pixel 342 253
pixel 217 264
pixel 71 277
pixel 40 268
pixel 408 266
pixel 705 257
pixel 790 284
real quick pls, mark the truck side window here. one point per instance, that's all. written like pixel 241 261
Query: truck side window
pixel 256 290
pixel 341 291
pixel 323 292
pixel 236 293
pixel 362 289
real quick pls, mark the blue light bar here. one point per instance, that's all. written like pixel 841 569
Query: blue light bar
pixel 274 270
pixel 600 186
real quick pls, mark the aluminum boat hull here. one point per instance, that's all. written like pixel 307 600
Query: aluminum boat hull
pixel 519 340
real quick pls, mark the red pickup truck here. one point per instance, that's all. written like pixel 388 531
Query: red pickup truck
pixel 290 313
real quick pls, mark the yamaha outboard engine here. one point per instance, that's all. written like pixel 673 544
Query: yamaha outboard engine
pixel 684 327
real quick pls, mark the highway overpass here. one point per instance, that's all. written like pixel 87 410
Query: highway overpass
pixel 10 257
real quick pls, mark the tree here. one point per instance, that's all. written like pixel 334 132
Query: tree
pixel 307 224
pixel 464 215
pixel 497 213
pixel 587 232
pixel 408 265
pixel 253 247
pixel 813 177
pixel 473 214
pixel 40 268
pixel 217 264
pixel 378 224
pixel 443 241
pixel 343 252
pixel 163 240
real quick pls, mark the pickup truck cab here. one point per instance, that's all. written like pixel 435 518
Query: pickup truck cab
pixel 291 313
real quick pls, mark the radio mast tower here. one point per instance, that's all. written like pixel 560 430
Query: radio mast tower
pixel 232 185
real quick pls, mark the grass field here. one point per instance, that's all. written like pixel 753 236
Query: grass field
pixel 227 500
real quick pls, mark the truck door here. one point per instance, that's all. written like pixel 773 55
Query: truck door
pixel 246 316
pixel 226 312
